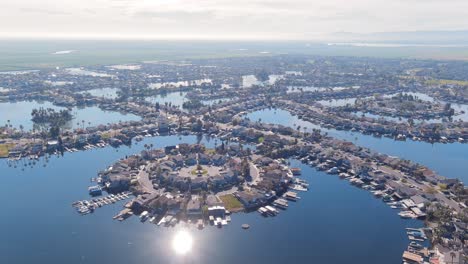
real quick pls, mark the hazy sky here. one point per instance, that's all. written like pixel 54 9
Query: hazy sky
pixel 253 19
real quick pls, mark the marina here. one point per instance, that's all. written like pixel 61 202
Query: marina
pixel 88 206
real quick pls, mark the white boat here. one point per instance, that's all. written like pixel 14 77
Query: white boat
pixel 271 210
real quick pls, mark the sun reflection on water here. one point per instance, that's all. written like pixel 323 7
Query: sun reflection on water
pixel 182 242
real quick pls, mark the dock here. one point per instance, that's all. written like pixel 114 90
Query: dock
pixel 88 206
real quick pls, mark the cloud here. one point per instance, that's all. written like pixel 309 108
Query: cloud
pixel 43 11
pixel 248 18
pixel 176 15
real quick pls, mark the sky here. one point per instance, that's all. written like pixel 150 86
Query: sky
pixel 225 19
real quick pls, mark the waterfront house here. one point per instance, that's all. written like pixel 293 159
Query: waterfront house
pixel 36 149
pixel 178 160
pixel 52 145
pixel 191 159
pixel 194 208
pixel 218 160
pixel 217 211
pixel 204 159
pixel 251 199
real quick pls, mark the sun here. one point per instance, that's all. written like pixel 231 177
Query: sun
pixel 182 242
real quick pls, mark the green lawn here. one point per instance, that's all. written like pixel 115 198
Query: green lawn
pixel 231 203
pixel 4 150
pixel 195 172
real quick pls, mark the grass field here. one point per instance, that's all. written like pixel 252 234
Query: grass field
pixel 4 150
pixel 231 203
pixel 446 82
pixel 39 54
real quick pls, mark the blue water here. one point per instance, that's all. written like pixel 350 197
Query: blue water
pixel 110 93
pixel 450 160
pixel 250 80
pixel 333 223
pixel 19 113
pixel 176 98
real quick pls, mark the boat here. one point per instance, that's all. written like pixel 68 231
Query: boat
pixel 271 210
pixel 144 216
pixel 281 203
pixel 263 211
pixel 200 224
pixel 298 187
pixel 292 196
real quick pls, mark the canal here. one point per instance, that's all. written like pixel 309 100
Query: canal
pixel 19 114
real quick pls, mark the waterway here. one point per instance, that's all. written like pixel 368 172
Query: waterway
pixel 450 160
pixel 179 83
pixel 333 223
pixel 250 80
pixel 110 93
pixel 176 98
pixel 19 113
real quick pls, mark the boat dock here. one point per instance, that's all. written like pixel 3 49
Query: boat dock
pixel 291 196
pixel 88 206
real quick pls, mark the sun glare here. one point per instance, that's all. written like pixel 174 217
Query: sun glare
pixel 182 242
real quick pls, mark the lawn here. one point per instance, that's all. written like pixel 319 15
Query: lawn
pixel 195 172
pixel 4 150
pixel 446 82
pixel 231 203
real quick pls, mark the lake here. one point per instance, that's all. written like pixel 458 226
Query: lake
pixel 179 83
pixel 176 98
pixel 333 223
pixel 250 80
pixel 110 93
pixel 19 113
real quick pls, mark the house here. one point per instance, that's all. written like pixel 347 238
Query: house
pixel 191 159
pixel 419 201
pixel 94 138
pixel 169 149
pixel 204 159
pixel 198 184
pixel 218 160
pixel 52 145
pixel 163 124
pixel 251 199
pixel 217 211
pixel 178 160
pixel 36 149
pixel 117 183
pixel 194 208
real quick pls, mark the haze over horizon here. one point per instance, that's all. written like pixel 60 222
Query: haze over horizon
pixel 228 20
